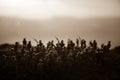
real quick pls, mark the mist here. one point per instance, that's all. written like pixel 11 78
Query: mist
pixel 47 19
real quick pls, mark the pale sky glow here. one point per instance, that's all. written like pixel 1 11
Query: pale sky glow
pixel 45 19
pixel 32 8
pixel 50 8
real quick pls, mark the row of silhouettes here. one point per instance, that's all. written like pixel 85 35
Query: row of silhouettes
pixel 53 59
pixel 78 46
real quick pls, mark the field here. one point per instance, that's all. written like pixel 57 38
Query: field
pixel 87 66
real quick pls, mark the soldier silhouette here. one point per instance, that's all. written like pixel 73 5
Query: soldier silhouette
pixel 108 45
pixel 48 45
pixel 102 46
pixel 62 44
pixel 24 42
pixel 83 44
pixel 77 42
pixel 16 47
pixel 91 44
pixel 72 45
pixel 40 43
pixel 29 46
pixel 94 45
pixel 52 44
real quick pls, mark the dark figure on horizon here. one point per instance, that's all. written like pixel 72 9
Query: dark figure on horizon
pixel 83 44
pixel 16 47
pixel 108 45
pixel 24 42
pixel 29 46
pixel 94 45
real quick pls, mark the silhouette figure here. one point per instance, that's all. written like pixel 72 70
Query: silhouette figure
pixel 29 46
pixel 77 42
pixel 24 42
pixel 58 62
pixel 62 44
pixel 16 47
pixel 94 45
pixel 108 45
pixel 83 44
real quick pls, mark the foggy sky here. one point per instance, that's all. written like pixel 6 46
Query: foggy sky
pixel 47 19
pixel 42 9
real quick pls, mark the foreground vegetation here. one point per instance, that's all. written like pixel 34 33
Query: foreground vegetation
pixel 47 65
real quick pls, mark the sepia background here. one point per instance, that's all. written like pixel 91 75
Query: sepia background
pixel 47 19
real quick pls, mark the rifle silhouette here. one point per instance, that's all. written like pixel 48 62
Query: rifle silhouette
pixel 36 41
pixel 57 39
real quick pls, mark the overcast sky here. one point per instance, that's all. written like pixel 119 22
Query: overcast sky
pixel 62 18
pixel 43 9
